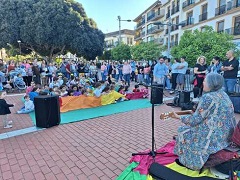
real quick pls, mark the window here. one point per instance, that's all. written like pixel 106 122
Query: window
pixel 190 18
pixel 158 11
pixel 222 3
pixel 237 26
pixel 176 38
pixel 131 41
pixel 220 26
pixel 204 8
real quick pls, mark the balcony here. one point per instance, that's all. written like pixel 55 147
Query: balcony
pixel 159 14
pixel 140 24
pixel 159 41
pixel 220 10
pixel 233 31
pixel 174 27
pixel 233 4
pixel 173 43
pixel 150 17
pixel 142 34
pixel 187 3
pixel 188 22
pixel 136 37
pixel 168 15
pixel 155 29
pixel 175 10
pixel 203 17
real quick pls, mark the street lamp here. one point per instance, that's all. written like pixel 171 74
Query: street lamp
pixel 119 20
pixel 19 43
pixel 169 24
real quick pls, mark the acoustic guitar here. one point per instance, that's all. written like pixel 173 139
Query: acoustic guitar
pixel 169 115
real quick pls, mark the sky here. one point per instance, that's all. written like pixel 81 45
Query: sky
pixel 105 12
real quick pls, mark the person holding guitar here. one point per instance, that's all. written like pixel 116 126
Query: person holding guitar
pixel 207 130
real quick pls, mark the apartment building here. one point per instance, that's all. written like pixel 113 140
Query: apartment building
pixel 112 38
pixel 222 15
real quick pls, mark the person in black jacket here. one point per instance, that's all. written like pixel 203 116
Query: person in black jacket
pixel 4 110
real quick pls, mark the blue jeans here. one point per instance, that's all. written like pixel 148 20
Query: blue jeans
pixel 229 85
pixel 127 78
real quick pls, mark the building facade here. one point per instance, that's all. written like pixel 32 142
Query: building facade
pixel 222 15
pixel 112 39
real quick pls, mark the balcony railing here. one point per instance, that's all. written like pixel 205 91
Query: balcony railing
pixel 233 31
pixel 137 36
pixel 150 17
pixel 187 3
pixel 188 22
pixel 168 15
pixel 159 14
pixel 203 17
pixel 173 43
pixel 233 4
pixel 155 29
pixel 140 24
pixel 220 10
pixel 174 27
pixel 175 10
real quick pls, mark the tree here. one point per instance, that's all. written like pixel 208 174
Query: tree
pixel 147 51
pixel 49 27
pixel 121 52
pixel 207 43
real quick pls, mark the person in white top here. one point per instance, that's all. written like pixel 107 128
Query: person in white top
pixel 28 106
pixel 126 70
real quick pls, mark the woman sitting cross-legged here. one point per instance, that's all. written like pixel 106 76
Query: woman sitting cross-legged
pixel 209 129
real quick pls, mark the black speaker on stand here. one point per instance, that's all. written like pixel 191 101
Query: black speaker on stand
pixel 156 94
pixel 47 111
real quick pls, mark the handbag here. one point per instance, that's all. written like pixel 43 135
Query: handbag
pixel 192 79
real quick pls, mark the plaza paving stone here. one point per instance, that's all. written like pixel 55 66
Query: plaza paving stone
pixel 99 148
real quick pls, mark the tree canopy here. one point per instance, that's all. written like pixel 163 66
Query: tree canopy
pixel 146 50
pixel 49 27
pixel 208 43
pixel 121 52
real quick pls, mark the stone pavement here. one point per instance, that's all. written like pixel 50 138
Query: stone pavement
pixel 99 148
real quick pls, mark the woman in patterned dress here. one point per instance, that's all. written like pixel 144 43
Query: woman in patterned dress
pixel 209 129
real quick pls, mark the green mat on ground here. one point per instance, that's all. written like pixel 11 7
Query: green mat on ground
pixel 89 113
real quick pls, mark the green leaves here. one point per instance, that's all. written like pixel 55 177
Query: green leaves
pixel 121 52
pixel 146 51
pixel 49 27
pixel 208 43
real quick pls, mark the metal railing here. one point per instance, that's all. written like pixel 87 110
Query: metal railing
pixel 175 10
pixel 203 17
pixel 233 4
pixel 188 22
pixel 150 17
pixel 233 31
pixel 187 3
pixel 220 10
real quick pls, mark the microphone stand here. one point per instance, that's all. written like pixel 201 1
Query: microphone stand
pixel 152 153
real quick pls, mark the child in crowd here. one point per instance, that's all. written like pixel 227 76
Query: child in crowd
pixel 4 110
pixel 75 90
pixel 136 88
pixel 145 90
pixel 63 91
pixel 28 106
pixel 30 88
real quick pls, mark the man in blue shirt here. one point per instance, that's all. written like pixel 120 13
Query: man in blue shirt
pixel 160 71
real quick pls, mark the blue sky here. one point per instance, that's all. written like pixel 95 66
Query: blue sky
pixel 105 12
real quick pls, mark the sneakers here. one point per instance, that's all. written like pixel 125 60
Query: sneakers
pixel 9 122
pixel 7 126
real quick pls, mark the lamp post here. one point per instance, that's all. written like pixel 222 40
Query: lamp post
pixel 119 33
pixel 169 24
pixel 19 43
